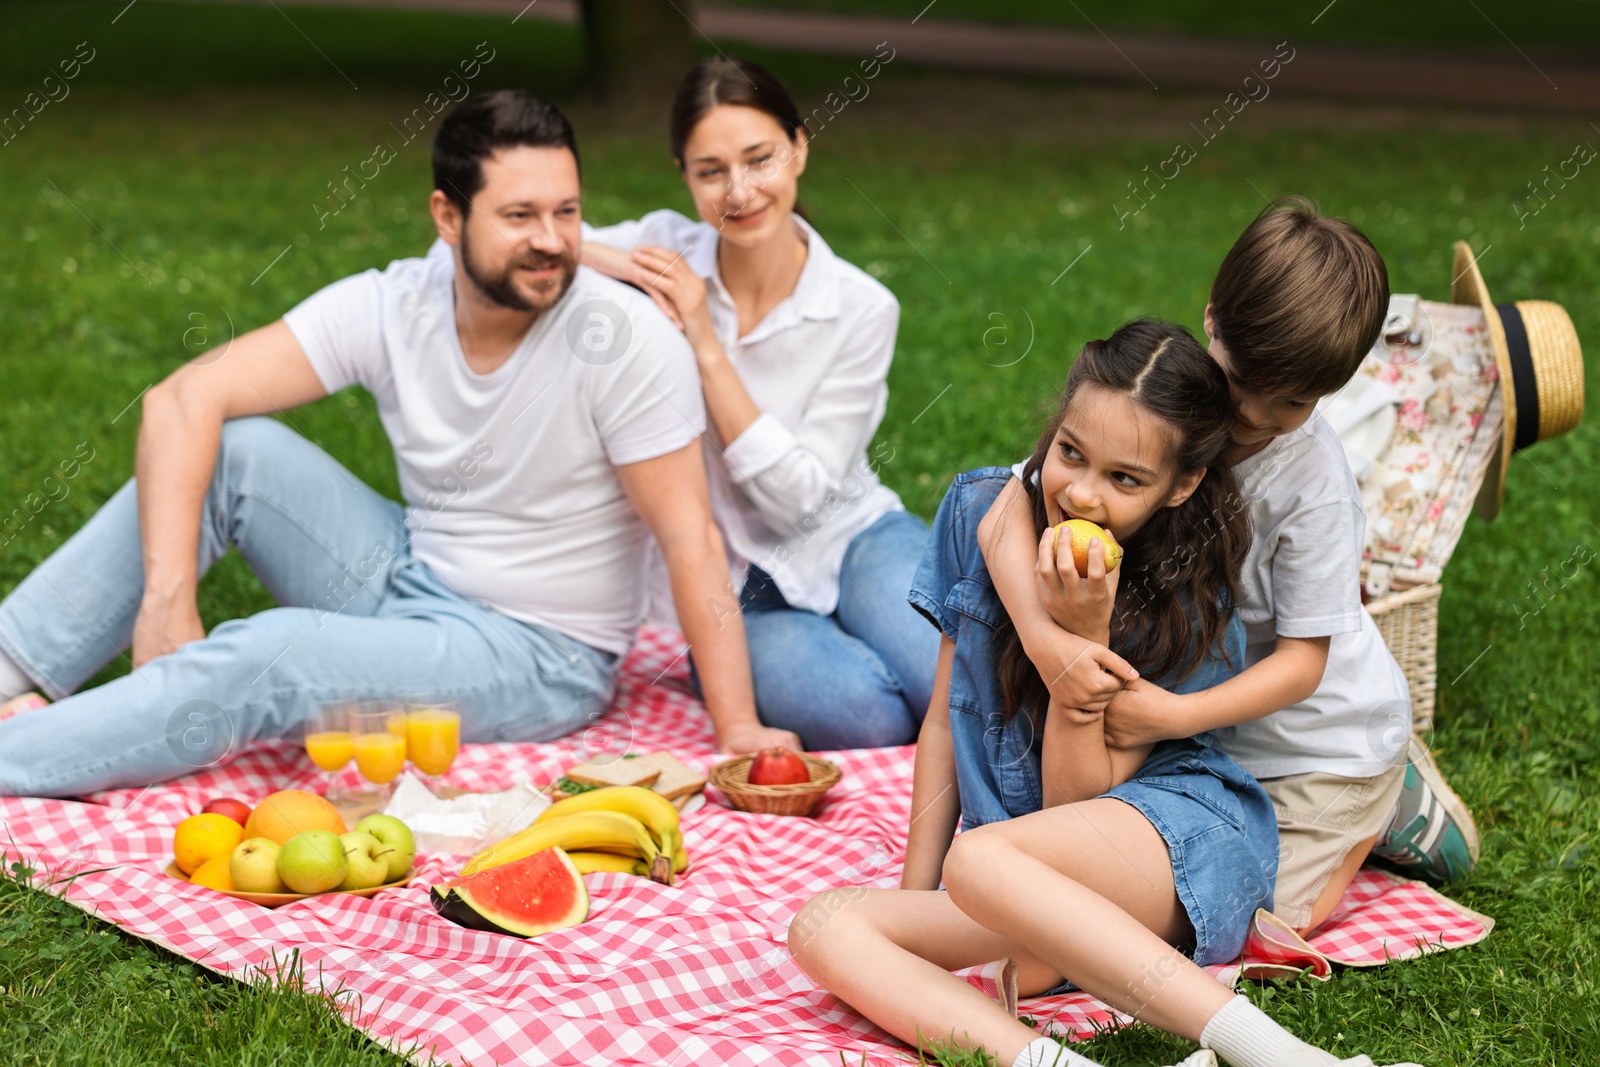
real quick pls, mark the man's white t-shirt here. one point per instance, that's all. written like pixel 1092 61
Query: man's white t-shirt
pixel 1302 578
pixel 509 478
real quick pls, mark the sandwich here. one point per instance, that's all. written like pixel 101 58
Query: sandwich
pixel 660 771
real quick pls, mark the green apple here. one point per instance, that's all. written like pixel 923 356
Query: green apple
pixel 312 861
pixel 253 865
pixel 395 836
pixel 366 860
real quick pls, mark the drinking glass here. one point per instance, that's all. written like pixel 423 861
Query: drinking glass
pixel 330 744
pixel 433 739
pixel 380 743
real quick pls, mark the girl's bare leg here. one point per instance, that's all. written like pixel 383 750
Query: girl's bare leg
pixel 1089 888
pixel 1049 906
pixel 888 953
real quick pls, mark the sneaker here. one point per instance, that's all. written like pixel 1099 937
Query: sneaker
pixel 1432 835
pixel 1204 1058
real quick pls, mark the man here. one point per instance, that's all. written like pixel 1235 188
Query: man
pixel 544 418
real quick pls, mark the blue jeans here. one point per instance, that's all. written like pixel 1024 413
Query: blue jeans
pixel 861 677
pixel 363 618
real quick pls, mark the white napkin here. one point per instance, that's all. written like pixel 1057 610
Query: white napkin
pixel 1363 414
pixel 463 825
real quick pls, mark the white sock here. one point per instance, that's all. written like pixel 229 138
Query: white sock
pixel 13 683
pixel 1246 1036
pixel 1048 1052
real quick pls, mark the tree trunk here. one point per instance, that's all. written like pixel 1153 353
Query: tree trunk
pixel 638 50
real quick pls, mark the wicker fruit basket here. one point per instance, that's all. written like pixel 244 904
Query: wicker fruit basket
pixel 1408 619
pixel 801 798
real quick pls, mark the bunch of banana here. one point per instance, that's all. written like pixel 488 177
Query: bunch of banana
pixel 589 862
pixel 615 828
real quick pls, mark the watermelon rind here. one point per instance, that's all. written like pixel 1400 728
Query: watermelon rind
pixel 446 903
pixel 518 898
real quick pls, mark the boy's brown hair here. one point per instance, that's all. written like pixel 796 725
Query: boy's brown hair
pixel 1299 300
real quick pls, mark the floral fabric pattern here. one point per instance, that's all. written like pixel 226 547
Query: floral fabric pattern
pixel 1422 487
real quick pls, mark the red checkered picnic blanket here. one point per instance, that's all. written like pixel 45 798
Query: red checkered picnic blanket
pixel 697 973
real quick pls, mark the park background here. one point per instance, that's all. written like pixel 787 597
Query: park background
pixel 180 191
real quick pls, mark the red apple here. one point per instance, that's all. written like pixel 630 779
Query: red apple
pixel 237 810
pixel 778 766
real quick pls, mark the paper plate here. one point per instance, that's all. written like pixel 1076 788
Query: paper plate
pixel 277 900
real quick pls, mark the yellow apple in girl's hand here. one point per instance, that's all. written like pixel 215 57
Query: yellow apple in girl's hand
pixel 1082 532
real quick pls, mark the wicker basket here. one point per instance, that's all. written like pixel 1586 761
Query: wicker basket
pixel 801 798
pixel 1408 619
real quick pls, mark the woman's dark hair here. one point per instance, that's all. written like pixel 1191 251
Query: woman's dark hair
pixel 740 82
pixel 1184 560
pixel 504 118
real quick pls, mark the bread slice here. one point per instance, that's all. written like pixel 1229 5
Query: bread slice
pixel 616 772
pixel 674 780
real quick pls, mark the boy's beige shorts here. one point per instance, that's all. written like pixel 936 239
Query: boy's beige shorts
pixel 1321 817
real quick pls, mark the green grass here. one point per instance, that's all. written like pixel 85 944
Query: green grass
pixel 74 990
pixel 188 151
pixel 1569 24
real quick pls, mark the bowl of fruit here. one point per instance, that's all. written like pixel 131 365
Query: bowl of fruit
pixel 291 846
pixel 775 781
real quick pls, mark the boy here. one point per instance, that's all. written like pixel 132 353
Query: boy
pixel 1321 714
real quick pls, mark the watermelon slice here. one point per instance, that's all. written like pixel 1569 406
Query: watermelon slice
pixel 526 897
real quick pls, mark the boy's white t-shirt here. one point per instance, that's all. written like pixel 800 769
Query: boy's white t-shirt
pixel 509 478
pixel 1302 578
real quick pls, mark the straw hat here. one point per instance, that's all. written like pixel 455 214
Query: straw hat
pixel 1541 371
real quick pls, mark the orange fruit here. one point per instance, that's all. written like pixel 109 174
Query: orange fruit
pixel 292 811
pixel 214 874
pixel 1081 532
pixel 203 837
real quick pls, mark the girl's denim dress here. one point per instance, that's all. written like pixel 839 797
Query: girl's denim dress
pixel 1218 823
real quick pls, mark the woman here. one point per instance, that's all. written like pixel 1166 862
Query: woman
pixel 794 346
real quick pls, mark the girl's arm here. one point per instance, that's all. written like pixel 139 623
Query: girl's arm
pixel 935 803
pixel 1076 761
pixel 1080 673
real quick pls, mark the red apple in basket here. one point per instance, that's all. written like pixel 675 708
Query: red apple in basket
pixel 778 766
pixel 237 810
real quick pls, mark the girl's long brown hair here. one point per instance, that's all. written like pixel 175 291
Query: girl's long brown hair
pixel 1180 571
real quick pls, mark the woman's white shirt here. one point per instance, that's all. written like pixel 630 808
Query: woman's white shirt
pixel 792 490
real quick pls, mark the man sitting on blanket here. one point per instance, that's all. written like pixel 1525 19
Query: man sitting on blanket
pixel 545 421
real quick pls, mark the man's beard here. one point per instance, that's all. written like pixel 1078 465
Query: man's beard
pixel 502 288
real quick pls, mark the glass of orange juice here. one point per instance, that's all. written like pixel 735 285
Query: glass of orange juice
pixel 433 739
pixel 380 742
pixel 330 744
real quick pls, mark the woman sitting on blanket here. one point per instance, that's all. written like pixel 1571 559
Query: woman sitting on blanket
pixel 794 346
pixel 1120 871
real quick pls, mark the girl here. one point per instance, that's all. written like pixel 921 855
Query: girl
pixel 794 346
pixel 1121 870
